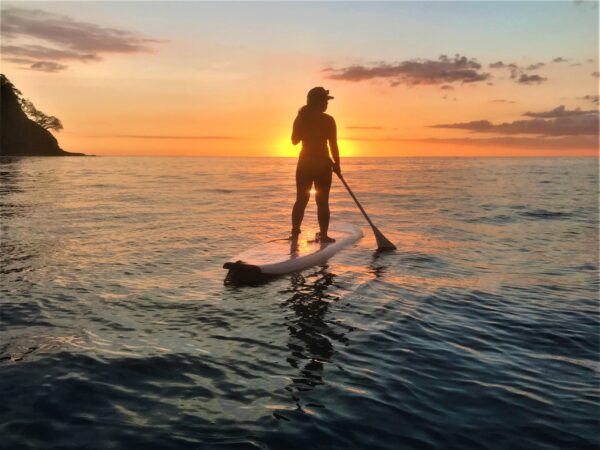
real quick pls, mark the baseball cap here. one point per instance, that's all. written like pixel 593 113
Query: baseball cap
pixel 318 93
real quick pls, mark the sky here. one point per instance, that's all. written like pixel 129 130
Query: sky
pixel 475 78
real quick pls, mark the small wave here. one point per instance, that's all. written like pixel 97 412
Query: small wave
pixel 420 259
pixel 514 390
pixel 218 191
pixel 585 363
pixel 545 214
pixel 499 219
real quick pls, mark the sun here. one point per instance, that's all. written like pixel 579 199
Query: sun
pixel 348 148
pixel 285 148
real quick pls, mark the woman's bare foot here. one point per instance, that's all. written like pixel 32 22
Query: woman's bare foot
pixel 323 239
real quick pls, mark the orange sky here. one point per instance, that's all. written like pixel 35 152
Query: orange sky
pixel 207 79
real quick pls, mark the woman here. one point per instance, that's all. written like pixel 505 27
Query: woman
pixel 315 129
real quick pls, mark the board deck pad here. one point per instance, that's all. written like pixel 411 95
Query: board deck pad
pixel 284 256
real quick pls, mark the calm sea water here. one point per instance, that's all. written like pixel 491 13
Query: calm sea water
pixel 480 332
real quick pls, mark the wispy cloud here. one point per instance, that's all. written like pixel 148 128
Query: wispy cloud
pixel 500 65
pixel 531 79
pixel 591 98
pixel 533 143
pixel 596 74
pixel 365 127
pixel 557 122
pixel 535 66
pixel 32 51
pixel 373 139
pixel 47 66
pixel 519 74
pixel 151 136
pixel 62 38
pixel 560 111
pixel 415 72
pixel 500 100
pixel 560 59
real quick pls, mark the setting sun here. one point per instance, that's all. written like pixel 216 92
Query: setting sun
pixel 285 148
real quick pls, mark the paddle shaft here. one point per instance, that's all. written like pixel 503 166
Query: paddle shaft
pixel 383 243
pixel 362 210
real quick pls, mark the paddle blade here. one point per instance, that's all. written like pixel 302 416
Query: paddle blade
pixel 383 243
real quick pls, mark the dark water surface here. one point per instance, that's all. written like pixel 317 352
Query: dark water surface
pixel 480 332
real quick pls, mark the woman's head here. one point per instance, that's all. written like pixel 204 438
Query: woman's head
pixel 317 98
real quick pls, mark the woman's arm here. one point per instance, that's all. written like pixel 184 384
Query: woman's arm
pixel 296 134
pixel 333 147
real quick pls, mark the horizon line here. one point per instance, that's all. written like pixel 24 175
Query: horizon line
pixel 345 157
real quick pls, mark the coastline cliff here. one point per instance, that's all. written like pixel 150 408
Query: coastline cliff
pixel 19 135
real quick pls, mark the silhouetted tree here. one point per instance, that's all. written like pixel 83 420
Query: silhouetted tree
pixel 43 120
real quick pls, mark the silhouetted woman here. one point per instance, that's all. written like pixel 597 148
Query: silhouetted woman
pixel 315 129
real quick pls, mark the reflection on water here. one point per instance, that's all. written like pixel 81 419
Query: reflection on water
pixel 10 176
pixel 310 330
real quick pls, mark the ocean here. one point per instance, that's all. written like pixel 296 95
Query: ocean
pixel 480 332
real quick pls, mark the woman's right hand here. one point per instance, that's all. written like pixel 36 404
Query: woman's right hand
pixel 337 169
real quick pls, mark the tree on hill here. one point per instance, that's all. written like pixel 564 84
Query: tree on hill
pixel 45 121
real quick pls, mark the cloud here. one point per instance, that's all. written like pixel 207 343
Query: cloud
pixel 560 59
pixel 596 74
pixel 415 72
pixel 376 139
pixel 533 143
pixel 557 122
pixel 360 127
pixel 61 38
pixel 447 87
pixel 146 136
pixel 503 101
pixel 518 73
pixel 535 66
pixel 501 65
pixel 531 79
pixel 47 66
pixel 32 52
pixel 560 111
pixel 591 98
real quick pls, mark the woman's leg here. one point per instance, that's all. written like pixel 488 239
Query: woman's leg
pixel 322 187
pixel 303 184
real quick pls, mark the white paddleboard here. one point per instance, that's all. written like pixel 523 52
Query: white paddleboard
pixel 284 256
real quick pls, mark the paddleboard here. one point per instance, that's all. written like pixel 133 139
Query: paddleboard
pixel 282 256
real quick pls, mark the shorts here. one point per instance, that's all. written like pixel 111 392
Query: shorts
pixel 312 170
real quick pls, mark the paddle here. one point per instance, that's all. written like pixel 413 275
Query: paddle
pixel 382 242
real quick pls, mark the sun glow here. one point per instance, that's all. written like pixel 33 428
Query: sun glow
pixel 285 148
